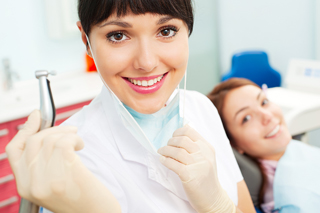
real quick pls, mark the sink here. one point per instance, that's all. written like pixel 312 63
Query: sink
pixel 67 89
pixel 19 97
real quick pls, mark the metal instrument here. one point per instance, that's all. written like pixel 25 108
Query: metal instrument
pixel 48 114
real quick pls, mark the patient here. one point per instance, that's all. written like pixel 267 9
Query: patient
pixel 256 127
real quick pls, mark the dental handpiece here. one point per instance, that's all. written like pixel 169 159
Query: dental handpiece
pixel 48 114
pixel 47 108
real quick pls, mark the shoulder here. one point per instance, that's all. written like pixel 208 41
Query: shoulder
pixel 199 108
pixel 199 101
pixel 194 95
pixel 87 117
pixel 94 130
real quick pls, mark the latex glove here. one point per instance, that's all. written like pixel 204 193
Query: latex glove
pixel 50 174
pixel 191 157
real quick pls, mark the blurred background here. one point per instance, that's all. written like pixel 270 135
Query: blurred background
pixel 274 42
pixel 42 34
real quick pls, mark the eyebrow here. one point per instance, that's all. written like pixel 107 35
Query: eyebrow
pixel 239 112
pixel 259 95
pixel 246 107
pixel 117 22
pixel 127 25
pixel 164 20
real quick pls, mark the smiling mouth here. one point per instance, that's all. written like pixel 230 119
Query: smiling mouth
pixel 274 131
pixel 146 85
pixel 146 81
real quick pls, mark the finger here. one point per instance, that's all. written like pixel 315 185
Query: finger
pixel 189 132
pixel 70 141
pixel 34 143
pixel 16 146
pixel 68 144
pixel 177 167
pixel 48 144
pixel 185 143
pixel 178 154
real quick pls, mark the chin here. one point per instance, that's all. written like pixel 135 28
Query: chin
pixel 147 106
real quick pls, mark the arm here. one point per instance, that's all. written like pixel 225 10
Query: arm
pixel 50 174
pixel 244 199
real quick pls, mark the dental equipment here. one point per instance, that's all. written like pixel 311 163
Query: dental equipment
pixel 303 75
pixel 300 101
pixel 48 114
pixel 301 110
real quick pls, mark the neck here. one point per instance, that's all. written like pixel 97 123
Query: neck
pixel 275 157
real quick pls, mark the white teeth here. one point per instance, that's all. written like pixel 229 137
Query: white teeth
pixel 145 83
pixel 274 131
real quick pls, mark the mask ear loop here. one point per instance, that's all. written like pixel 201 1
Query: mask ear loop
pixel 184 96
pixel 99 71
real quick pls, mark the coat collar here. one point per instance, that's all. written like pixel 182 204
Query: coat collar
pixel 131 150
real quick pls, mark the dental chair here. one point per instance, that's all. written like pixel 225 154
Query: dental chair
pixel 251 175
pixel 253 65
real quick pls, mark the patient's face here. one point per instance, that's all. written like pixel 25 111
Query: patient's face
pixel 257 126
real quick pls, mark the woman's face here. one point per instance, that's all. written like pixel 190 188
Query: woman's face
pixel 257 126
pixel 142 58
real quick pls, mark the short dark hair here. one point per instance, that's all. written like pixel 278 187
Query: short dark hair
pixel 92 12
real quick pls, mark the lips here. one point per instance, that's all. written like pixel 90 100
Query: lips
pixel 146 85
pixel 274 131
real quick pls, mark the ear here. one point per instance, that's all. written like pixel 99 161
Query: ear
pixel 84 38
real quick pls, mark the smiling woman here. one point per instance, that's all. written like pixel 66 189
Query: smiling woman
pixel 155 46
pixel 256 128
pixel 137 143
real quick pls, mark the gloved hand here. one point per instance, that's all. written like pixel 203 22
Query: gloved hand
pixel 191 157
pixel 50 174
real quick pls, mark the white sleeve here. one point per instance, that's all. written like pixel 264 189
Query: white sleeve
pixel 209 121
pixel 226 153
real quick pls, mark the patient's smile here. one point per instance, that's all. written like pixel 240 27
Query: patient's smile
pixel 274 132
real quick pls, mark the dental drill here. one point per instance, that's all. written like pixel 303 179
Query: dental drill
pixel 48 114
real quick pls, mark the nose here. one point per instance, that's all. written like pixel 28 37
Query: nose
pixel 266 116
pixel 146 58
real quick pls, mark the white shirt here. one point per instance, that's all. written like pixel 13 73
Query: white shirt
pixel 135 176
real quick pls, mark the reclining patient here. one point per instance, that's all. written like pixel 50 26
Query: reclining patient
pixel 256 128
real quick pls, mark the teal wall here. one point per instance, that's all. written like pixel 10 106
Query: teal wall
pixel 203 67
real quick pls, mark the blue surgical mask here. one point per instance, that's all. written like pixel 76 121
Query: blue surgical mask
pixel 174 120
pixel 160 126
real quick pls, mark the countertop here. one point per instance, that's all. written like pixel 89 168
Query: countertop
pixel 67 89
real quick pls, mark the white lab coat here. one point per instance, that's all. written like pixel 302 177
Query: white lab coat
pixel 135 176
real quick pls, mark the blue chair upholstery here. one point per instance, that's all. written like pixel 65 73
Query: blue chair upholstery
pixel 253 65
pixel 258 210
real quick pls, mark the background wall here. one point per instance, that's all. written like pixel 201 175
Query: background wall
pixel 285 29
pixel 25 41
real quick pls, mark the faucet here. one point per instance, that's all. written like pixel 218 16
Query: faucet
pixel 8 83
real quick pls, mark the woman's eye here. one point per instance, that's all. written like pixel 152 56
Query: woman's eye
pixel 245 119
pixel 117 37
pixel 265 101
pixel 168 32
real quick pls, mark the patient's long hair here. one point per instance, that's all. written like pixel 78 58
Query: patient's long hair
pixel 217 96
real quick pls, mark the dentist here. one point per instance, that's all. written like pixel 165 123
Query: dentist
pixel 142 144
